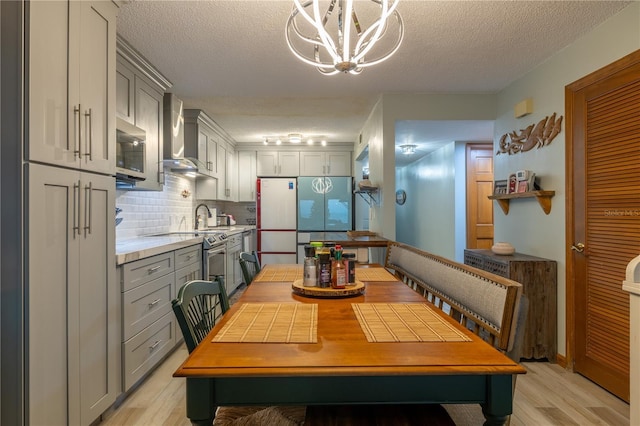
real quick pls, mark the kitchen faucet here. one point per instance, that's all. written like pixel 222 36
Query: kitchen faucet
pixel 208 214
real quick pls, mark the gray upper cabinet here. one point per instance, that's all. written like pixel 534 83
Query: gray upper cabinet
pixel 201 141
pixel 71 108
pixel 325 163
pixel 139 100
pixel 278 163
pixel 246 175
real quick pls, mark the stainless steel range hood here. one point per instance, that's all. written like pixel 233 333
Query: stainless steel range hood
pixel 174 158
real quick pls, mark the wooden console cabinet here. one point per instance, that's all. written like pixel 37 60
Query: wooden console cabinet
pixel 538 277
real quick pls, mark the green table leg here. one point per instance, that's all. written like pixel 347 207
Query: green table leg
pixel 200 408
pixel 499 400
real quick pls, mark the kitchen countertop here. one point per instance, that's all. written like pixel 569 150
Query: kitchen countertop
pixel 130 249
pixel 346 241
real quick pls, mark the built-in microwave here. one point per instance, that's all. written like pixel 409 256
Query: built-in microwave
pixel 130 151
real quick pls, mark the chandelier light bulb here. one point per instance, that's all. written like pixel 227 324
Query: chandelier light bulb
pixel 330 34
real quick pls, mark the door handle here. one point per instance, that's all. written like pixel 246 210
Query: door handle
pixel 578 247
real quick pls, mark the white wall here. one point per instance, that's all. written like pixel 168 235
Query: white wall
pixel 155 212
pixel 526 226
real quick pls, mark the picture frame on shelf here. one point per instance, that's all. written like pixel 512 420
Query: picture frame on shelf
pixel 500 187
pixel 523 186
pixel 513 183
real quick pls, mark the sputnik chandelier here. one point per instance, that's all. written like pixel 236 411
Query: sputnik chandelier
pixel 331 36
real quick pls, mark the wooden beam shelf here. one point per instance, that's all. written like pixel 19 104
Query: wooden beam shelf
pixel 543 197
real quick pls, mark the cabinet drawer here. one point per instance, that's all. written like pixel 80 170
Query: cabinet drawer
pixel 186 274
pixel 188 255
pixel 142 352
pixel 142 271
pixel 145 304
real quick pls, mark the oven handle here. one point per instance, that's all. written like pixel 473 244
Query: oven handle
pixel 216 250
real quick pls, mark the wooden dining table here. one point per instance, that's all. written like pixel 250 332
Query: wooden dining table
pixel 343 366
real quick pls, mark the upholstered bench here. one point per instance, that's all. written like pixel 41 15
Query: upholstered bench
pixel 486 303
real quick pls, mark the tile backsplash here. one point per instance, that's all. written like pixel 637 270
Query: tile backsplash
pixel 157 212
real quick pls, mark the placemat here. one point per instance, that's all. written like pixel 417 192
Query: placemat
pixel 374 274
pixel 271 323
pixel 404 322
pixel 280 273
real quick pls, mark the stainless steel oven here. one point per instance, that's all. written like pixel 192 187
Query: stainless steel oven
pixel 214 256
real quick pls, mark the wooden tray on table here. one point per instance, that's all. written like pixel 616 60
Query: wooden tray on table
pixel 349 290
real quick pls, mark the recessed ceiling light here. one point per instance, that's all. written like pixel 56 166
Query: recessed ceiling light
pixel 408 149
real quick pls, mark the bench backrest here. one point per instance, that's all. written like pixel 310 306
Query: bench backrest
pixel 484 302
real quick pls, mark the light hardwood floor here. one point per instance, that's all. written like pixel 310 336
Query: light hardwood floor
pixel 546 395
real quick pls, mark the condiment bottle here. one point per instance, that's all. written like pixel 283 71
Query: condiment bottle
pixel 324 270
pixel 338 271
pixel 310 270
pixel 350 264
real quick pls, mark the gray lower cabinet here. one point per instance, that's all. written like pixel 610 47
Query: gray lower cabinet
pixel 73 344
pixel 149 330
pixel 234 273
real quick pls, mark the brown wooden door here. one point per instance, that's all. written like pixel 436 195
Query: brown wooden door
pixel 479 187
pixel 603 214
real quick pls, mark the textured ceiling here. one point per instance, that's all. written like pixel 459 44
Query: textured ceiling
pixel 230 58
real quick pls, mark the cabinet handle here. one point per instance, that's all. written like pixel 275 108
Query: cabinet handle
pixel 76 209
pixel 329 169
pixel 154 269
pixel 88 210
pixel 279 169
pixel 90 131
pixel 155 345
pixel 76 117
pixel 155 302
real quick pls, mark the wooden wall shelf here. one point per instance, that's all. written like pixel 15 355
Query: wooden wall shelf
pixel 543 197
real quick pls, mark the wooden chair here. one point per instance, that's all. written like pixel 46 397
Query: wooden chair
pixel 250 266
pixel 198 307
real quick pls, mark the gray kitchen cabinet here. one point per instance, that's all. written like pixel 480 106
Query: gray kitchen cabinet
pixel 247 176
pixel 139 100
pixel 73 297
pixel 149 330
pixel 232 174
pixel 234 272
pixel 223 189
pixel 325 163
pixel 278 163
pixel 71 108
pixel 201 140
pixel 227 180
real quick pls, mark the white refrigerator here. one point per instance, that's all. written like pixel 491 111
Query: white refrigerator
pixel 276 220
